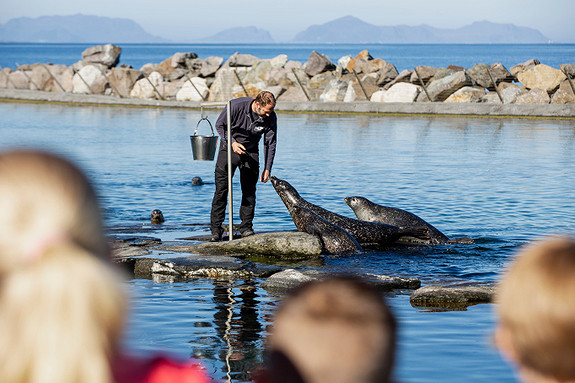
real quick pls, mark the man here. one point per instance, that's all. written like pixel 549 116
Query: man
pixel 250 119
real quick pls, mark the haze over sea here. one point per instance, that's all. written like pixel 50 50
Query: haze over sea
pixel 403 56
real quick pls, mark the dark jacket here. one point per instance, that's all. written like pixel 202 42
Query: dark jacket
pixel 248 128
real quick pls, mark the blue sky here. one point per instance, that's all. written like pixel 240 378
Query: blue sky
pixel 173 19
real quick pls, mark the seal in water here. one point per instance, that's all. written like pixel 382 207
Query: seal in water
pixel 366 233
pixel 366 210
pixel 335 240
pixel 157 216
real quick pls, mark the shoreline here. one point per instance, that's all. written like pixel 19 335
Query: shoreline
pixel 435 109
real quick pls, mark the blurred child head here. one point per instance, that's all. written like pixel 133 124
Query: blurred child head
pixel 536 309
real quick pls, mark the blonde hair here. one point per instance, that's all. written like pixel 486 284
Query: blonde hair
pixel 61 301
pixel 536 307
pixel 338 330
pixel 265 98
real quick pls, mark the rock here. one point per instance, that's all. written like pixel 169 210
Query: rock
pixel 404 76
pixel 242 60
pixel 368 83
pixel 376 65
pixel 180 60
pixel 440 90
pixel 108 55
pixel 18 80
pixel 452 296
pixel 401 92
pixel 343 62
pixel 317 63
pixel 568 69
pixel 287 77
pixel 490 98
pixel 541 76
pixel 293 94
pixel 210 66
pixel 387 73
pixel 143 88
pixel 147 69
pixel 534 96
pixel 350 94
pixel 283 245
pixel 500 73
pixel 260 72
pixel 479 73
pixel 279 61
pixel 363 56
pixel 195 89
pixel 63 75
pixel 563 97
pixel 213 267
pixel 425 72
pixel 285 281
pixel 334 92
pixel 124 79
pixel 515 70
pixel 222 88
pixel 89 80
pixel 510 93
pixel 467 94
pixel 441 73
pixel 377 96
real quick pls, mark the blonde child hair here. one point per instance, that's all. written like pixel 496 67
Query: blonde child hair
pixel 536 310
pixel 337 330
pixel 61 301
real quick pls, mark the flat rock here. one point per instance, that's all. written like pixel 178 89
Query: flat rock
pixel 453 296
pixel 283 245
pixel 284 281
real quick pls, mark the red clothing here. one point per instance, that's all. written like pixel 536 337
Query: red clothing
pixel 158 369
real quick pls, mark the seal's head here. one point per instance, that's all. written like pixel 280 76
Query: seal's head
pixel 287 193
pixel 197 181
pixel 360 207
pixel 157 216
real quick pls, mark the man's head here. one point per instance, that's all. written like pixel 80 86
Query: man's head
pixel 536 328
pixel 264 103
pixel 337 330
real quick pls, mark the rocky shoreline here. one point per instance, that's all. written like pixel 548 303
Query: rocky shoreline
pixel 360 84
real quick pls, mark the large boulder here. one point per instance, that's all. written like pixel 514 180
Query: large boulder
pixel 279 61
pixel 260 72
pixel 568 69
pixel 317 63
pixel 401 92
pixel 515 70
pixel 222 88
pixel 563 96
pixel 387 73
pixel 510 93
pixel 426 73
pixel 440 90
pixel 18 80
pixel 467 94
pixel 194 89
pixel 350 93
pixel 542 77
pixel 124 78
pixel 88 80
pixel 534 96
pixel 108 55
pixel 335 91
pixel 241 60
pixel 210 66
pixel 488 76
pixel 293 94
pixel 143 88
pixel 60 81
pixel 453 296
pixel 403 76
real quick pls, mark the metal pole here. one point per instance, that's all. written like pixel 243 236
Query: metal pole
pixel 56 80
pixel 230 194
pixel 422 84
pixel 28 77
pixel 241 83
pixel 110 82
pixel 201 95
pixel 494 85
pixel 300 85
pixel 360 84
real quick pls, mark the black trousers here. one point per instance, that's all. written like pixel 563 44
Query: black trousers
pixel 249 174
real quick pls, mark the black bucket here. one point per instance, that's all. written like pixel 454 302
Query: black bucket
pixel 204 147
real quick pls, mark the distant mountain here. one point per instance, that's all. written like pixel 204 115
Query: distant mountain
pixel 75 29
pixel 351 30
pixel 239 35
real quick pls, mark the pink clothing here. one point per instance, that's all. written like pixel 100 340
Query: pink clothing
pixel 159 369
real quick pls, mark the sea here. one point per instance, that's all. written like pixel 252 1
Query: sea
pixel 403 56
pixel 501 181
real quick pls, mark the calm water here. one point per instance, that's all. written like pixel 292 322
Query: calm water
pixel 502 182
pixel 403 56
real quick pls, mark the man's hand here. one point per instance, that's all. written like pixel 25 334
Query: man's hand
pixel 265 176
pixel 238 148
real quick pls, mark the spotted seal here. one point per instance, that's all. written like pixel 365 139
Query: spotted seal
pixel 335 240
pixel 157 217
pixel 366 233
pixel 366 210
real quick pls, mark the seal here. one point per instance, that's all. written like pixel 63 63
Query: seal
pixel 366 210
pixel 157 216
pixel 366 233
pixel 335 240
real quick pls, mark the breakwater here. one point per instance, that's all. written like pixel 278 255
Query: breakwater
pixel 353 84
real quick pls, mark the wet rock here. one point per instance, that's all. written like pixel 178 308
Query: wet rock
pixel 108 55
pixel 213 267
pixel 284 281
pixel 282 245
pixel 534 96
pixel 542 77
pixel 452 296
pixel 440 90
pixel 317 63
pixel 89 80
pixel 125 247
pixel 467 94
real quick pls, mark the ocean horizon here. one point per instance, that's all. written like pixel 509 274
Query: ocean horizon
pixel 403 56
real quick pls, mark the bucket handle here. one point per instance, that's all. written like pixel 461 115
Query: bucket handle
pixel 198 124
